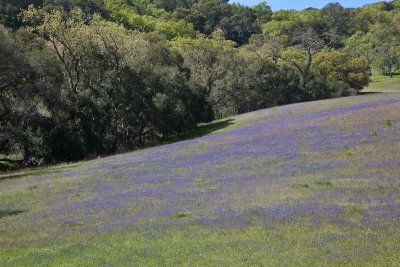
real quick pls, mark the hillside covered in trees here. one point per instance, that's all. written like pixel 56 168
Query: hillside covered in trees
pixel 79 79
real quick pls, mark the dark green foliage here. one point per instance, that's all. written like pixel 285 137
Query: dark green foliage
pixel 262 84
pixel 22 109
pixel 388 123
pixel 277 85
pixel 237 22
pixel 4 165
pixel 240 25
pixel 299 186
pixel 66 144
pixel 263 12
pixel 88 6
pixel 336 19
pixel 373 134
pixel 9 10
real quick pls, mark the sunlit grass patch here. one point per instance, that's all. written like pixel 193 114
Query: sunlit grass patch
pixel 325 245
pixel 383 83
pixel 203 181
pixel 200 182
pixel 33 187
pixel 303 144
pixel 112 177
pixel 353 210
pixel 324 183
pixel 56 177
pixel 180 215
pixel 75 224
pixel 253 212
pixel 202 145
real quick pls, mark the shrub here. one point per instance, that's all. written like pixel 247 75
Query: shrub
pixel 296 186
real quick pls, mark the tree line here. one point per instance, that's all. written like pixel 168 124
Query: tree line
pixel 79 79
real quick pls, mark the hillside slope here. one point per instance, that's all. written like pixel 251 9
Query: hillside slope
pixel 305 184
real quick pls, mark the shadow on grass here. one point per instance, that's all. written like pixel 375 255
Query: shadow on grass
pixel 33 171
pixel 5 176
pixel 199 131
pixel 7 213
pixel 368 93
pixel 207 129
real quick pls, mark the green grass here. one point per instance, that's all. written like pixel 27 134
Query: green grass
pixel 324 183
pixel 382 83
pixel 181 215
pixel 290 245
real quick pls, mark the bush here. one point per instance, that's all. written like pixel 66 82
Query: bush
pixel 5 166
pixel 66 144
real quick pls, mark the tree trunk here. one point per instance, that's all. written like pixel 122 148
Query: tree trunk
pixel 305 69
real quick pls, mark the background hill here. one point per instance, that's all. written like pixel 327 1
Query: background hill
pixel 311 184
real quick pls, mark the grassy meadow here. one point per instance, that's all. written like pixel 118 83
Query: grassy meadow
pixel 383 83
pixel 308 184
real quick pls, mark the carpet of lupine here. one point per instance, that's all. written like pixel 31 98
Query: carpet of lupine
pixel 309 184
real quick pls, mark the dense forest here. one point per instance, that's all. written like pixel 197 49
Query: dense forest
pixel 81 79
